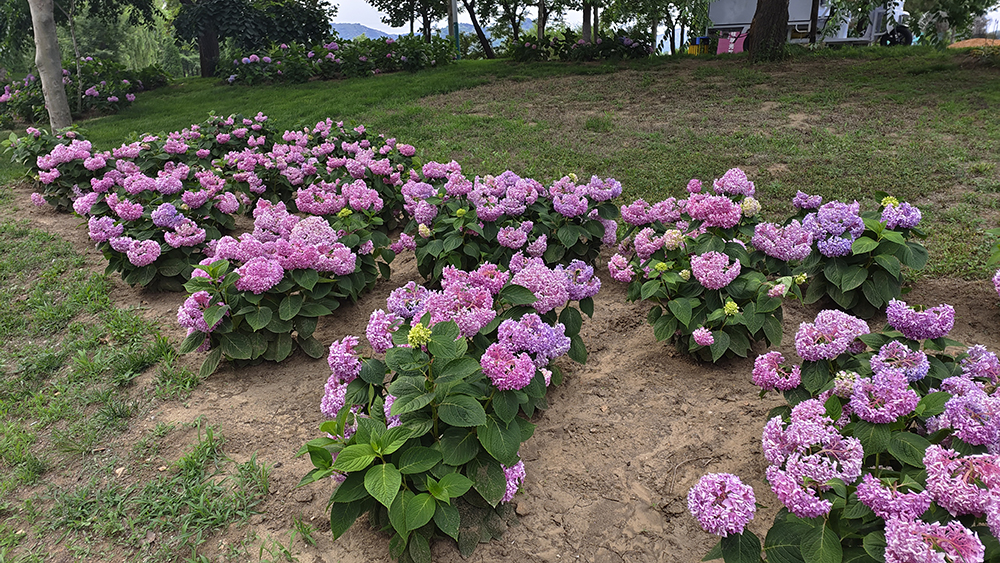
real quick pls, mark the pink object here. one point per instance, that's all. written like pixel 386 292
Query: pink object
pixel 730 43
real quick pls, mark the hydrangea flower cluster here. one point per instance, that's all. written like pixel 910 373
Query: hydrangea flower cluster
pixel 770 372
pixel 834 226
pixel 830 335
pixel 714 270
pixel 345 367
pixel 788 243
pixel 722 503
pixel 933 322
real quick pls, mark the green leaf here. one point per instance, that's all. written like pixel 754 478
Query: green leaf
pixel 406 359
pixel 352 489
pixel 259 318
pixel 488 478
pixel 932 404
pixel 320 456
pixel 577 349
pixel 567 235
pixel 306 278
pixel 418 459
pixel 821 545
pixel 236 346
pixel 814 376
pixel 397 513
pixel 501 439
pixel 354 458
pixel 681 308
pixel 419 511
pixel 459 446
pixel 373 371
pixel 409 403
pixel 714 553
pixel 853 277
pixel 913 255
pixel 447 519
pixel 192 342
pixel 857 511
pixel 214 314
pixel 741 548
pixel 572 319
pixel 874 437
pixel 720 345
pixel 782 544
pixel 516 295
pixel 909 448
pixel 587 306
pixel 419 549
pixel 874 544
pixel 863 245
pixel 343 515
pixel 211 363
pixel 773 331
pixel 505 405
pixel 455 484
pixel 664 327
pixel 649 288
pixel 890 263
pixel 461 410
pixel 446 342
pixel 289 306
pixel 312 347
pixel 382 482
pixel 312 309
pixel 394 438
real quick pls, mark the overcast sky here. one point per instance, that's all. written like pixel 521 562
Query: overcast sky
pixel 359 11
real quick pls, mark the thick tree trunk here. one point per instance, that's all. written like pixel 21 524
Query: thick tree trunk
pixel 487 48
pixel 426 23
pixel 208 52
pixel 768 32
pixel 48 60
pixel 586 35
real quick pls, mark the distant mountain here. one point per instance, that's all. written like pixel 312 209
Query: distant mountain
pixel 352 30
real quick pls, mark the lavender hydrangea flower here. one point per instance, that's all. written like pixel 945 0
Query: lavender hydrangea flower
pixel 830 335
pixel 391 420
pixel 913 364
pixel 512 237
pixel 834 227
pixel 334 397
pixel 166 216
pixel 582 281
pixel 916 541
pixel 722 504
pixel 381 325
pixel 714 211
pixel 506 370
pixel 799 498
pixel 515 477
pixel 996 282
pixel 714 270
pixel 259 274
pixel 769 373
pixel 889 503
pixel 883 398
pixel 702 336
pixel 902 215
pixel 551 288
pixel 343 359
pixel 735 182
pixel 960 484
pixel 531 334
pixel 805 201
pixel 405 301
pixel 982 364
pixel 791 242
pixel 143 252
pixel 934 322
pixel 975 417
pixel 619 269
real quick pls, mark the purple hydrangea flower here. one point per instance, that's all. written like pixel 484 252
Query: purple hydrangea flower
pixel 981 363
pixel 934 322
pixel 714 270
pixel 143 252
pixel 889 502
pixel 805 201
pixel 916 541
pixel 506 370
pixel 791 242
pixel 407 300
pixel 912 364
pixel 515 477
pixel 551 287
pixel 834 227
pixel 722 504
pixel 903 216
pixel 381 325
pixel 343 359
pixel 714 211
pixel 830 335
pixel 702 336
pixel 259 274
pixel 619 269
pixel 883 398
pixel 769 373
pixel 735 182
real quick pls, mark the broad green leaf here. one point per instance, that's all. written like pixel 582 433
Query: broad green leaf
pixel 236 346
pixel 720 344
pixel 320 457
pixel 382 482
pixel 853 277
pixel 572 319
pixel 821 545
pixel 418 459
pixel 932 404
pixel 741 548
pixel 406 359
pixel 214 314
pixel 394 438
pixel 505 405
pixel 909 448
pixel 352 489
pixel 773 331
pixel 863 245
pixel 650 288
pixel 814 375
pixel 259 318
pixel 501 439
pixel 419 511
pixel 517 295
pixel 459 446
pixel 488 478
pixel 577 349
pixel 373 371
pixel 343 515
pixel 447 519
pixel 419 549
pixel 312 347
pixel 890 263
pixel 410 403
pixel 354 458
pixel 211 363
pixel 192 342
pixel 714 553
pixel 782 544
pixel 874 437
pixel 461 410
pixel 874 544
pixel 455 484
pixel 306 278
pixel 397 513
pixel 681 308
pixel 289 306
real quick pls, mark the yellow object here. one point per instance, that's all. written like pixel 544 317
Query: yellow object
pixel 697 49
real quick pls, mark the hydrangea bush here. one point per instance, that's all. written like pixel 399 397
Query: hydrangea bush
pixel 858 257
pixel 461 222
pixel 339 58
pixel 689 258
pixel 424 434
pixel 887 450
pixel 259 296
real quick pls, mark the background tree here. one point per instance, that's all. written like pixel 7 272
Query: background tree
pixel 397 13
pixel 49 63
pixel 767 39
pixel 251 24
pixel 486 12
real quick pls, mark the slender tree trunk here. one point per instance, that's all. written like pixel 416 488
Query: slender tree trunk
pixel 71 16
pixel 543 14
pixel 597 23
pixel 426 22
pixel 208 52
pixel 768 31
pixel 47 58
pixel 487 48
pixel 586 35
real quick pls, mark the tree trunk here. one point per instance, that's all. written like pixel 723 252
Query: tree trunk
pixel 586 36
pixel 487 48
pixel 48 60
pixel 768 32
pixel 543 14
pixel 208 52
pixel 426 24
pixel 597 23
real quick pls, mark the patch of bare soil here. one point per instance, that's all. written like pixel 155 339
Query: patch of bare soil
pixel 609 465
pixel 975 42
